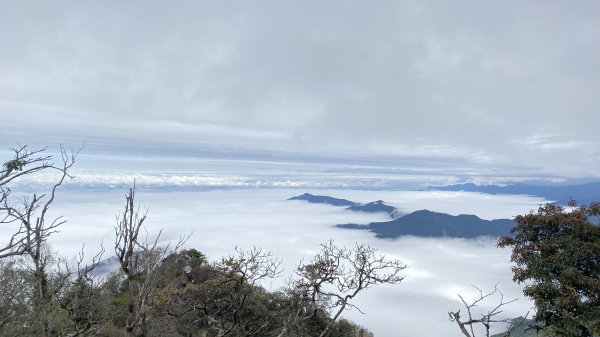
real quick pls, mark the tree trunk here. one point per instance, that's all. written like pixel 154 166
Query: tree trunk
pixel 130 323
pixel 42 296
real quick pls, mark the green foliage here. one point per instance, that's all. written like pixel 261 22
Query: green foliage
pixel 115 289
pixel 557 255
pixel 119 313
pixel 194 299
pixel 343 328
pixel 15 300
pixel 154 294
pixel 196 257
pixel 222 299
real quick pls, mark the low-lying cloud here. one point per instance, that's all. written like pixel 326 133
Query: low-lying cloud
pixel 94 171
pixel 221 220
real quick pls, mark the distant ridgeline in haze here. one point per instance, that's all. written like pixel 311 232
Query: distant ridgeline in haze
pixel 373 207
pixel 583 194
pixel 423 223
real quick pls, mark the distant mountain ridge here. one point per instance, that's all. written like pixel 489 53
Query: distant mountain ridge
pixel 583 194
pixel 423 223
pixel 378 206
pixel 323 199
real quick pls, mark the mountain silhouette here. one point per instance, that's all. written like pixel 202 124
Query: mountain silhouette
pixel 425 223
pixel 378 206
pixel 583 194
pixel 323 199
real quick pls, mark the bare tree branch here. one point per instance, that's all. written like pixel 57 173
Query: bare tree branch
pixel 33 228
pixel 222 301
pixel 487 319
pixel 81 300
pixel 335 276
pixel 139 259
pixel 30 215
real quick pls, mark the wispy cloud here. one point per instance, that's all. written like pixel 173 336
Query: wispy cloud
pixel 169 172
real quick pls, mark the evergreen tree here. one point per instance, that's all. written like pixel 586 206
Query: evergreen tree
pixel 557 255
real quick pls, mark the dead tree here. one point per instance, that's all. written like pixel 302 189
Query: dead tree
pixel 334 277
pixel 486 320
pixel 29 215
pixel 139 260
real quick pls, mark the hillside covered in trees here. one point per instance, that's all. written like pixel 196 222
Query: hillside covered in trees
pixel 184 295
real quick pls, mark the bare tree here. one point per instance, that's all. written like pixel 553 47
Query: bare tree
pixel 486 320
pixel 29 215
pixel 139 260
pixel 334 277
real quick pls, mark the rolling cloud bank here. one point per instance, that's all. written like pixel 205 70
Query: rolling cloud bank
pixel 222 219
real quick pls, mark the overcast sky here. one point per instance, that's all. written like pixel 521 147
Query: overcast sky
pixel 497 83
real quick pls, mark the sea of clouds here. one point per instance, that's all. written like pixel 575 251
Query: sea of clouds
pixel 222 219
pixel 228 204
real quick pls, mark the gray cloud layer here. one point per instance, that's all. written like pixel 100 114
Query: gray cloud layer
pixel 484 82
